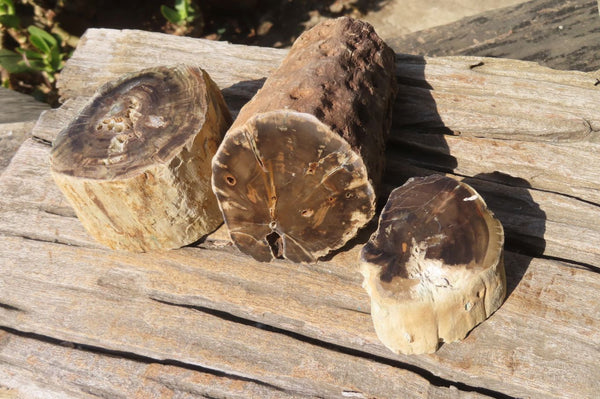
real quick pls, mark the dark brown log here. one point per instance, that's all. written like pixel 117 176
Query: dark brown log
pixel 135 162
pixel 297 172
pixel 434 268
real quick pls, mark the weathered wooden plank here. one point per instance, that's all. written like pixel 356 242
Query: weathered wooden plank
pixel 539 323
pixel 479 98
pixel 497 98
pixel 538 221
pixel 87 307
pixel 556 33
pixel 505 85
pixel 17 107
pixel 227 64
pixel 18 112
pixel 12 135
pixel 31 368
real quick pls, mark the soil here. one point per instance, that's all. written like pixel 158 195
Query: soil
pixel 272 23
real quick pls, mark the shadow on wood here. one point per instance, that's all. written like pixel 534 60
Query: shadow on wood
pixel 425 151
pixel 238 94
pixel 417 137
pixel 523 220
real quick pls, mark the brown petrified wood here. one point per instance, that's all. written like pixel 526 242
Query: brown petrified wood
pixel 297 173
pixel 135 162
pixel 434 268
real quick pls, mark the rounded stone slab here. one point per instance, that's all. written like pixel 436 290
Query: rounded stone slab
pixel 434 267
pixel 290 187
pixel 135 162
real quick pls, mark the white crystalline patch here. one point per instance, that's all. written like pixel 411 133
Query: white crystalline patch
pixel 471 198
pixel 430 272
pixel 117 144
pixel 155 121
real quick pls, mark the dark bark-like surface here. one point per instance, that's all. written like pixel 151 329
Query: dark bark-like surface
pixel 556 33
pixel 281 196
pixel 343 73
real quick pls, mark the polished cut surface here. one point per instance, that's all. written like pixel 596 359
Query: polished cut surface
pixel 290 188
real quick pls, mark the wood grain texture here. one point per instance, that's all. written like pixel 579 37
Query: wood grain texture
pixel 121 317
pixel 228 65
pixel 18 113
pixel 556 33
pixel 17 107
pixel 12 135
pixel 36 367
pixel 135 163
pixel 543 342
pixel 533 131
pixel 297 173
pixel 540 322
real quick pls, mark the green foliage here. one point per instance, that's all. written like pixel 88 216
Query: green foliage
pixel 44 55
pixel 8 16
pixel 183 14
pixel 13 62
pixel 48 56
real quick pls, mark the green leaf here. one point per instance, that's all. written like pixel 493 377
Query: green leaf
pixel 182 9
pixel 171 15
pixel 13 62
pixel 7 7
pixel 10 21
pixel 56 59
pixel 30 54
pixel 32 59
pixel 41 39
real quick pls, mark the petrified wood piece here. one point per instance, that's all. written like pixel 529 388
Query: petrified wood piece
pixel 434 268
pixel 135 162
pixel 297 173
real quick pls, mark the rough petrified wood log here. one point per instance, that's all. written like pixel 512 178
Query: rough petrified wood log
pixel 135 162
pixel 297 172
pixel 434 268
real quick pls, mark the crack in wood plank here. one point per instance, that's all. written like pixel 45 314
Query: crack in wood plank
pixel 83 364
